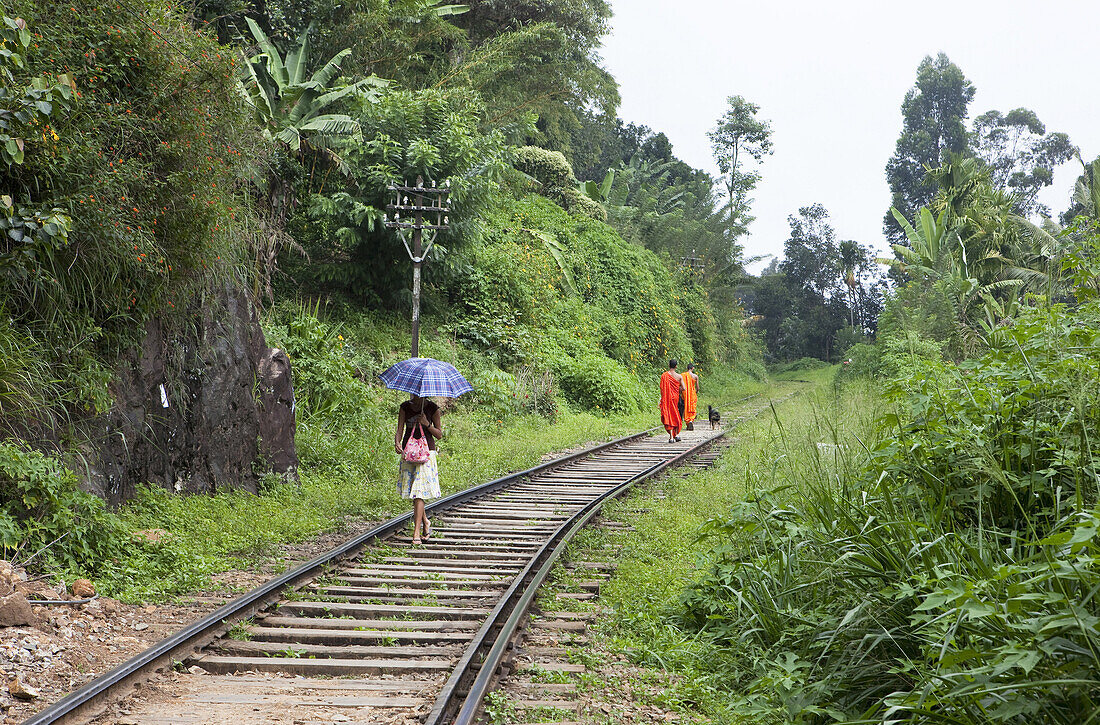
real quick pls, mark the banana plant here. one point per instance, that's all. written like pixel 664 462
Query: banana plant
pixel 937 253
pixel 557 251
pixel 416 11
pixel 291 106
pixel 932 247
pixel 600 192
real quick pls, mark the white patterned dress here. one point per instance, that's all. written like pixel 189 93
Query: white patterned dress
pixel 419 480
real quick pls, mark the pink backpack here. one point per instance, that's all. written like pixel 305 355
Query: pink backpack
pixel 416 450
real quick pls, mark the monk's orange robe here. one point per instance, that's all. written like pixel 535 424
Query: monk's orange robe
pixel 691 398
pixel 670 403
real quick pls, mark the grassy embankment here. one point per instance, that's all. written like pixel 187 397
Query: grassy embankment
pixel 920 549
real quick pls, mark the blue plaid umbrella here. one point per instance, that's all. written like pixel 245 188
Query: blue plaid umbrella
pixel 427 378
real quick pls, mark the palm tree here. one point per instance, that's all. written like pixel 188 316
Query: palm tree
pixel 850 257
pixel 1086 194
pixel 937 253
pixel 978 214
pixel 1052 245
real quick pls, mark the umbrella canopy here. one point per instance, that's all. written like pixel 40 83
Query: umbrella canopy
pixel 427 378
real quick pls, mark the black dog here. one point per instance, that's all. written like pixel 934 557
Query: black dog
pixel 714 416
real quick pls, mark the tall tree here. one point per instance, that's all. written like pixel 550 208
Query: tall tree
pixel 1020 154
pixel 811 254
pixel 933 123
pixel 537 56
pixel 801 308
pixel 738 139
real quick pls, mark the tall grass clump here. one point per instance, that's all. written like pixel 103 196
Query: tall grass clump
pixel 943 569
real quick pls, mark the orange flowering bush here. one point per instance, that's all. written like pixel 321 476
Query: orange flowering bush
pixel 149 160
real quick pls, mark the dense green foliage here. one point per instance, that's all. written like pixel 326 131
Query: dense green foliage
pixel 945 567
pixel 431 133
pixel 609 299
pixel 931 559
pixel 914 543
pixel 154 159
pixel 822 298
pixel 42 506
pixel 122 201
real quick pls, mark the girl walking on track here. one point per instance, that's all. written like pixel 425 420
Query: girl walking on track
pixel 419 425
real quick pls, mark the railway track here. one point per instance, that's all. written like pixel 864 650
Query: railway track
pixel 379 630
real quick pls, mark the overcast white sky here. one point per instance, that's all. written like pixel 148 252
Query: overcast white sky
pixel 831 76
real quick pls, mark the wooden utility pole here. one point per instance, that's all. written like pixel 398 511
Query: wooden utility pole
pixel 426 201
pixel 693 263
pixel 418 261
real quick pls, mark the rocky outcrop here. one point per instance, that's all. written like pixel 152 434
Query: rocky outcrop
pixel 192 409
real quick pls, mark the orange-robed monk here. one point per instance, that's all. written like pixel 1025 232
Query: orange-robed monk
pixel 671 385
pixel 691 394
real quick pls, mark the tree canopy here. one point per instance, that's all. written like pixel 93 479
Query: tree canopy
pixel 739 139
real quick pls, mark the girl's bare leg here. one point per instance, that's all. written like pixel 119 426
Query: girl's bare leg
pixel 418 517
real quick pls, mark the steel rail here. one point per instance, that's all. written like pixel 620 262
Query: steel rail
pixel 90 698
pixel 523 590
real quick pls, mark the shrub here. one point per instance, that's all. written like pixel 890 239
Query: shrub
pixel 496 391
pixel 577 203
pixel 557 182
pixel 597 383
pixel 1004 440
pixel 907 354
pixel 44 514
pixel 549 168
pixel 844 339
pixel 862 361
pixel 802 363
pixel 325 384
pixel 536 392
